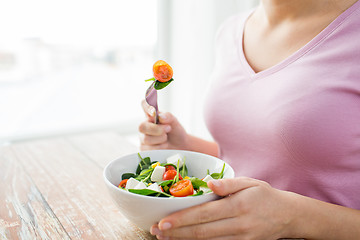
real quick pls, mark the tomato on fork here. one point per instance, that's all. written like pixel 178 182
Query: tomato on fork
pixel 162 71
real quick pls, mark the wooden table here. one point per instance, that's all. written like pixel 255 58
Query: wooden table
pixel 53 189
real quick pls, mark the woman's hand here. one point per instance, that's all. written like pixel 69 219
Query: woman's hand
pixel 251 209
pixel 168 134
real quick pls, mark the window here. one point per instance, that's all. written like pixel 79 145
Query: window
pixel 73 65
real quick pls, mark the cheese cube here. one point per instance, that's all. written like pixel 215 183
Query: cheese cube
pixel 205 189
pixel 207 178
pixel 154 187
pixel 131 183
pixel 174 160
pixel 140 185
pixel 157 174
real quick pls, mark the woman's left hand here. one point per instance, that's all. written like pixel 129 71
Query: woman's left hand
pixel 251 209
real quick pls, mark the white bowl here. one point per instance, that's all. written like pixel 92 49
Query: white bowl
pixel 144 211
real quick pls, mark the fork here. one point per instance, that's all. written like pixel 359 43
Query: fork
pixel 151 99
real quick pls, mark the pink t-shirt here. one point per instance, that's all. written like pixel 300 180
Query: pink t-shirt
pixel 295 125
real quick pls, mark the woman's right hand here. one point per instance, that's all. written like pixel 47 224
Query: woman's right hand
pixel 167 134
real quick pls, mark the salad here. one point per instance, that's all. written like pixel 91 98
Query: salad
pixel 169 179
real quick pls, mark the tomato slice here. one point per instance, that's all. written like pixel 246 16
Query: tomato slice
pixel 170 175
pixel 123 183
pixel 162 71
pixel 182 188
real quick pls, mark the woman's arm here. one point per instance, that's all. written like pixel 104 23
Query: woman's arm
pixel 252 209
pixel 200 145
pixel 314 219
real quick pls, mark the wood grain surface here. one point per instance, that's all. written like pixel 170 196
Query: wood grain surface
pixel 53 189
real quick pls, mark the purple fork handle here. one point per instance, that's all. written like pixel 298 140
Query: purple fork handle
pixel 151 99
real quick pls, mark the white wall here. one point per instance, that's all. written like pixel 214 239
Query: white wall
pixel 74 74
pixel 191 26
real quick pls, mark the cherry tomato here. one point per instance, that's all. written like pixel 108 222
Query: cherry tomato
pixel 182 188
pixel 170 175
pixel 162 71
pixel 123 183
pixel 169 167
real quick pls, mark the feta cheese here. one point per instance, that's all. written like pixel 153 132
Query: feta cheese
pixel 205 189
pixel 157 174
pixel 174 160
pixel 207 178
pixel 154 187
pixel 131 183
pixel 140 185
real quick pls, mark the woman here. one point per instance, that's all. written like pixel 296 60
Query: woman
pixel 286 94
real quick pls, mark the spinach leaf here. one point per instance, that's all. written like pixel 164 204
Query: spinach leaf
pixel 176 178
pixel 184 170
pixel 149 192
pixel 127 176
pixel 219 175
pixel 167 164
pixel 146 171
pixel 165 183
pixel 144 163
pixel 160 85
pixel 197 183
pixel 201 192
pixel 145 175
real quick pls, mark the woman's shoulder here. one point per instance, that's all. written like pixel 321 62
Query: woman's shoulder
pixel 233 24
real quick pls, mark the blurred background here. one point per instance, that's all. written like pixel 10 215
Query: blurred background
pixel 75 66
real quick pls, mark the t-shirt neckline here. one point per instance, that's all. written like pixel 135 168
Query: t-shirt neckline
pixel 297 54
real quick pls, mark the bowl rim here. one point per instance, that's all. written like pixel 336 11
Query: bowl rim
pixel 204 196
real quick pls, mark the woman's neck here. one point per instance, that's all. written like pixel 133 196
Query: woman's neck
pixel 276 11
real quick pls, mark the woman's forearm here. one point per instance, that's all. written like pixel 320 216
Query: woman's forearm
pixel 203 146
pixel 317 220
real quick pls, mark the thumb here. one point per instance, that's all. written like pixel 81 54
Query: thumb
pixel 148 109
pixel 224 187
pixel 166 118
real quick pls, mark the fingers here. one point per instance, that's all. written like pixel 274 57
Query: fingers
pixel 152 129
pixel 168 133
pixel 215 238
pixel 232 217
pixel 153 136
pixel 214 210
pixel 164 118
pixel 153 140
pixel 204 213
pixel 144 147
pixel 225 187
pixel 213 230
